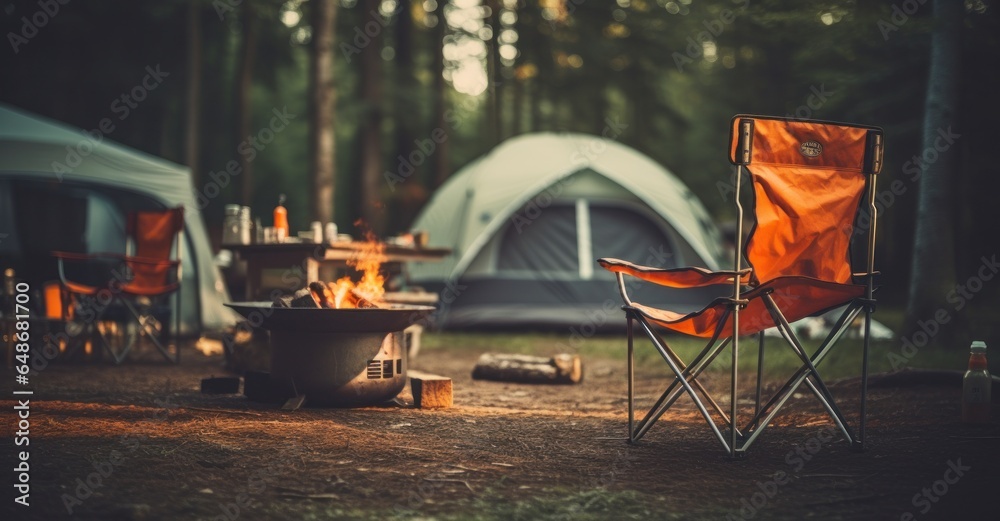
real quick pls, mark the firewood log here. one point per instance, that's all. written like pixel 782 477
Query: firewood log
pixel 304 299
pixel 319 292
pixel 360 301
pixel 559 369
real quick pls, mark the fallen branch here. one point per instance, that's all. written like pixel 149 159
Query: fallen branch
pixel 464 468
pixel 412 448
pixel 844 500
pixel 462 481
pixel 325 495
pixel 225 411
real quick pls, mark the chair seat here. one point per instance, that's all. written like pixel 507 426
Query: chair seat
pixel 798 297
pixel 138 290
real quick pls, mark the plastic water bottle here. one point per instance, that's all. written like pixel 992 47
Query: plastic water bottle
pixel 976 386
pixel 245 225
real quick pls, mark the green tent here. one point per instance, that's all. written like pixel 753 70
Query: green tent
pixel 527 221
pixel 63 189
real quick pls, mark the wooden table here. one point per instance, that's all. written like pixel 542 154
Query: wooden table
pixel 289 266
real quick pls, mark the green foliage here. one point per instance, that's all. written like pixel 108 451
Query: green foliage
pixel 673 71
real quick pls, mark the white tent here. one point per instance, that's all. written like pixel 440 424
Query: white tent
pixel 527 221
pixel 83 209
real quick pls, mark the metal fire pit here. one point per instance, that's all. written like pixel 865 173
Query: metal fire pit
pixel 337 357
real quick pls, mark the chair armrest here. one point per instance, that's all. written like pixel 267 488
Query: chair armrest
pixel 73 256
pixel 86 264
pixel 691 277
pixel 151 262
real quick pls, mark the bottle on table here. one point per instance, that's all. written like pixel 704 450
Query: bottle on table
pixel 245 226
pixel 330 232
pixel 281 219
pixel 976 386
pixel 231 225
pixel 317 231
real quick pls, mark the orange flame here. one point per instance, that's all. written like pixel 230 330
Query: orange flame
pixel 368 259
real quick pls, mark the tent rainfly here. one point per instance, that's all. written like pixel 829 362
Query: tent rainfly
pixel 62 189
pixel 527 221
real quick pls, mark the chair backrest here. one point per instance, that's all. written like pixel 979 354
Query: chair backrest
pixel 153 234
pixel 810 179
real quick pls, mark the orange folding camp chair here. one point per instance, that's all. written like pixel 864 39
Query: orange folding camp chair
pixel 126 297
pixel 813 191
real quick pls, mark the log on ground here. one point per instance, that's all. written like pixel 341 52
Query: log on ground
pixel 430 390
pixel 559 369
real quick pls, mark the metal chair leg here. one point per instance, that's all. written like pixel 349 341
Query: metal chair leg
pixel 760 377
pixel 631 379
pixel 860 444
pixel 734 383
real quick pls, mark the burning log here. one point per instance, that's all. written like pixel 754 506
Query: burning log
pixel 337 296
pixel 303 298
pixel 559 369
pixel 321 294
pixel 360 301
pixel 345 293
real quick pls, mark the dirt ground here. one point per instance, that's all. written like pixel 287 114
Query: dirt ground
pixel 139 441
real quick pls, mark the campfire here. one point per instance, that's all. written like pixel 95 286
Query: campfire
pixel 337 343
pixel 366 293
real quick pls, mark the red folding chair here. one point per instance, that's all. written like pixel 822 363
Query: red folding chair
pixel 125 297
pixel 812 182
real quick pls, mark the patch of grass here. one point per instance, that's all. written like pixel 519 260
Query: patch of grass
pixel 596 504
pixel 844 361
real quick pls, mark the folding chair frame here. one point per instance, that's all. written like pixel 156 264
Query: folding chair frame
pixel 143 320
pixel 92 328
pixel 122 295
pixel 734 440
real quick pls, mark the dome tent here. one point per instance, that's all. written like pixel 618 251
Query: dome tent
pixel 82 210
pixel 527 221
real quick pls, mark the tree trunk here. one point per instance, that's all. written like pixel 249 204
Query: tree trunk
pixel 932 276
pixel 406 85
pixel 372 206
pixel 244 108
pixel 322 99
pixel 517 120
pixel 494 87
pixel 192 112
pixel 441 159
pixel 536 106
